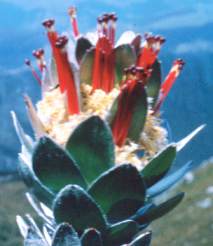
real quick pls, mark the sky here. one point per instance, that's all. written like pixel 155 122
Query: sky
pixel 21 30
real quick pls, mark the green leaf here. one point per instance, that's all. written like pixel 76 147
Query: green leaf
pixel 160 210
pixel 154 82
pixel 54 167
pixel 86 67
pixel 42 193
pixel 139 114
pixel 159 165
pixel 73 205
pixel 125 56
pixel 121 233
pixel 92 147
pixel 123 209
pixel 112 112
pixel 91 237
pixel 120 183
pixel 65 235
pixel 82 46
pixel 168 181
pixel 139 101
pixel 32 182
pixel 143 239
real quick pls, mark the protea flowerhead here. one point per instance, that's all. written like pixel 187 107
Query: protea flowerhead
pixel 100 153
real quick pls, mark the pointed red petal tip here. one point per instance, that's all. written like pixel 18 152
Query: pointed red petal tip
pixel 48 23
pixel 38 54
pixel 61 41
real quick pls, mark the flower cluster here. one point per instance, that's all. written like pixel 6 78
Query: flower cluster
pixel 120 82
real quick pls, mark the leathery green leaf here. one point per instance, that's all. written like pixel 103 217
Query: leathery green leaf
pixel 154 82
pixel 91 237
pixel 160 210
pixel 122 233
pixel 92 147
pixel 159 165
pixel 54 166
pixel 86 67
pixel 75 206
pixel 82 46
pixel 120 183
pixel 139 115
pixel 125 56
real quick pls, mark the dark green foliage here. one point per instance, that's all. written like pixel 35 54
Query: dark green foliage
pixel 87 66
pixel 139 113
pixel 121 233
pixel 117 185
pixel 54 167
pixel 159 165
pixel 125 56
pixel 123 209
pixel 91 237
pixel 154 82
pixel 75 206
pixel 114 203
pixel 92 147
pixel 82 46
pixel 139 108
pixel 34 184
pixel 167 182
pixel 158 211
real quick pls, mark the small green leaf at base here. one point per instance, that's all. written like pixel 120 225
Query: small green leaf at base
pixel 73 205
pixel 122 232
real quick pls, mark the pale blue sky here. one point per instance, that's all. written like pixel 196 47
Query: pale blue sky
pixel 21 30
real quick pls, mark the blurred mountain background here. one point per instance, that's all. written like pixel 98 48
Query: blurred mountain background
pixel 188 27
